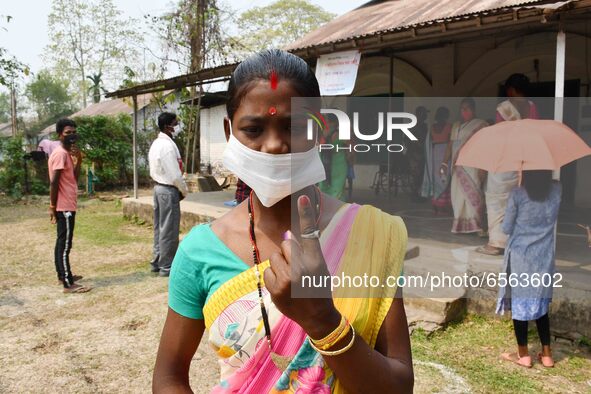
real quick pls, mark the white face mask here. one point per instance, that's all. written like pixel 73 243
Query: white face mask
pixel 176 131
pixel 273 177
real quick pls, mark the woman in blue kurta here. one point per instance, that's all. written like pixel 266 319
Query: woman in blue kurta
pixel 530 218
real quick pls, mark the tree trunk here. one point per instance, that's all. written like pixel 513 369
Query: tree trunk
pixel 197 57
pixel 82 69
pixel 189 133
pixel 13 109
pixel 83 90
pixel 197 135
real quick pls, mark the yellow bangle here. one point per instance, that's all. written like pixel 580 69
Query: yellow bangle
pixel 335 352
pixel 330 338
pixel 337 339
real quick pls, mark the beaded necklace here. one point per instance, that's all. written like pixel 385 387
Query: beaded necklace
pixel 280 361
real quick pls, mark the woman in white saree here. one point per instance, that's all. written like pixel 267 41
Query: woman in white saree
pixel 466 182
pixel 499 185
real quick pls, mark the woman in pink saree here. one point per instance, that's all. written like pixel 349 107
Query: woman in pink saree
pixel 239 276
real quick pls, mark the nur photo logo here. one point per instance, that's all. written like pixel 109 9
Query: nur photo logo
pixel 389 123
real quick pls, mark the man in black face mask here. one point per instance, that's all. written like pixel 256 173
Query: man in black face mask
pixel 64 169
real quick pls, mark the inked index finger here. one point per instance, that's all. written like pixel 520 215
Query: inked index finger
pixel 307 216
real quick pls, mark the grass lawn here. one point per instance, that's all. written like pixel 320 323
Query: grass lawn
pixel 471 350
pixel 106 340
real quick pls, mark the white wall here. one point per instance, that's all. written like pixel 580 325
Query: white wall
pixel 213 139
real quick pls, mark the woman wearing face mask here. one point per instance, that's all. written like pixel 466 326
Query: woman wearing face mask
pixel 467 198
pixel 235 275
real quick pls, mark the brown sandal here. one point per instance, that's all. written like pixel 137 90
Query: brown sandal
pixel 546 361
pixel 490 252
pixel 75 278
pixel 524 361
pixel 77 289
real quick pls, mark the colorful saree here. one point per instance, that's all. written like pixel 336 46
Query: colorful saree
pixel 233 318
pixel 467 198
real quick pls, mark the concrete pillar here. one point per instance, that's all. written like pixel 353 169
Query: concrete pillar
pixel 134 148
pixel 559 84
pixel 560 70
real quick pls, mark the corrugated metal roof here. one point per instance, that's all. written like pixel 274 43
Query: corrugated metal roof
pixel 206 75
pixel 380 16
pixel 108 107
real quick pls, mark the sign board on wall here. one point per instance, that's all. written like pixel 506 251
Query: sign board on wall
pixel 337 72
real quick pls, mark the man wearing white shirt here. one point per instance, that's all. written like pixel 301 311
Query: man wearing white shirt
pixel 166 170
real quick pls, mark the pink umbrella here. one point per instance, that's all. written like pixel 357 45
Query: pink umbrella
pixel 527 144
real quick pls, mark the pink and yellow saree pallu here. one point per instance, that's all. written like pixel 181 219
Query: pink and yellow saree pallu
pixel 358 240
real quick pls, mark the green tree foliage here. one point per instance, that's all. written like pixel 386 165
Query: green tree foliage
pixel 12 172
pixel 130 78
pixel 279 23
pixel 90 37
pixel 191 34
pixel 193 38
pixel 97 87
pixel 106 142
pixel 4 107
pixel 49 98
pixel 13 180
pixel 10 67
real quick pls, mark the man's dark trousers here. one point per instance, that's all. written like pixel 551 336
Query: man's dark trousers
pixel 167 218
pixel 63 246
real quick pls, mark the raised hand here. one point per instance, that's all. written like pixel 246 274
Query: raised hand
pixel 76 155
pixel 296 260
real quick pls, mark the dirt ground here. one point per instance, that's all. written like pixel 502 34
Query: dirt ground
pixel 105 341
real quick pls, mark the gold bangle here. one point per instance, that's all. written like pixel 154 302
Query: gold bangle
pixel 337 339
pixel 330 338
pixel 335 352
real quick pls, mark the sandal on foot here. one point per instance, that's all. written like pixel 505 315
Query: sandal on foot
pixel 77 289
pixel 75 278
pixel 489 252
pixel 524 361
pixel 547 361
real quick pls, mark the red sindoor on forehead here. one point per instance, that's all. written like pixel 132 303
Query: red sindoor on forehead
pixel 273 79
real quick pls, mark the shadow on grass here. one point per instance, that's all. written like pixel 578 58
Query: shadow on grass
pixel 110 281
pixel 10 300
pixel 18 212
